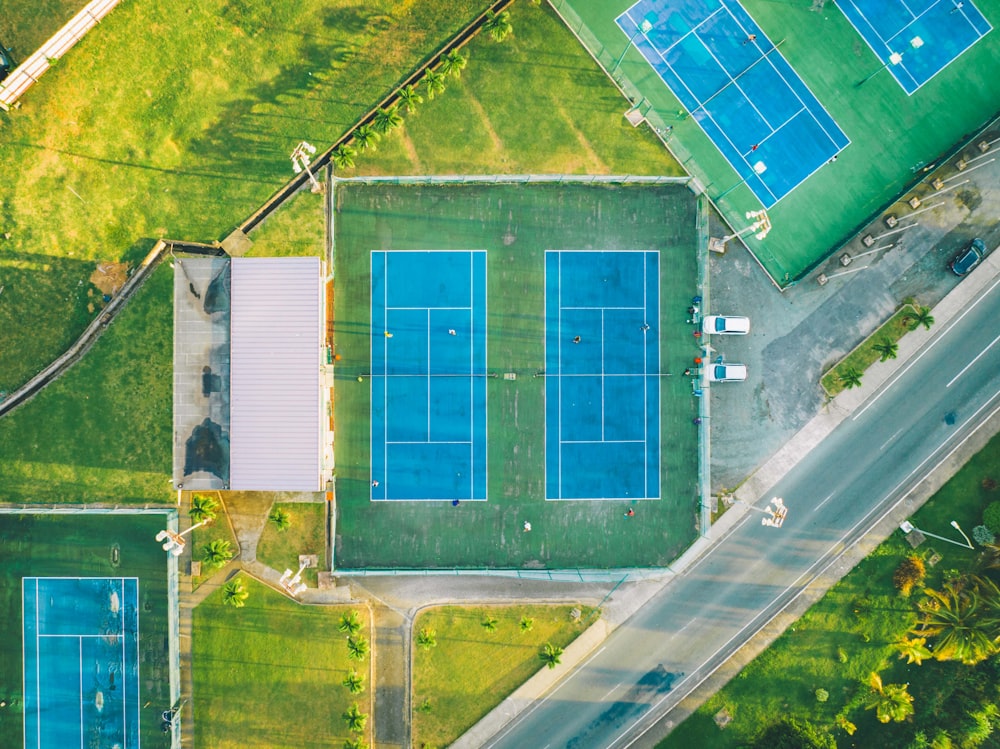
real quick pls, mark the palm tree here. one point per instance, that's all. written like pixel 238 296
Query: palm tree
pixel 923 317
pixel 551 655
pixel 427 638
pixel 356 719
pixel 203 507
pixel 343 156
pixel 366 137
pixel 527 623
pixel 354 682
pixel 498 25
pixel 281 519
pixel 217 553
pixel 850 378
pixel 891 702
pixel 964 618
pixel 489 624
pixel 387 119
pixel 234 594
pixel 434 83
pixel 350 623
pixel 887 349
pixel 453 63
pixel 914 649
pixel 409 97
pixel 357 648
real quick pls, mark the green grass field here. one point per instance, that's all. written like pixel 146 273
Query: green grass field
pixel 847 635
pixel 101 433
pixel 270 674
pixel 81 545
pixel 47 17
pixel 892 135
pixel 471 670
pixel 533 219
pixel 176 119
pixel 306 534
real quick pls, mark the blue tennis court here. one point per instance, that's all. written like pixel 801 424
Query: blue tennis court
pixel 602 375
pixel 733 80
pixel 81 662
pixel 428 378
pixel 916 39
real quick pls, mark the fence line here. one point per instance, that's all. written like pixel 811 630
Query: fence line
pixel 563 575
pixel 492 179
pixel 28 72
pixel 326 158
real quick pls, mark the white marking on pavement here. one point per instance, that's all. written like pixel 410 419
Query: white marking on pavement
pixel 538 703
pixel 892 381
pixel 890 440
pixel 981 354
pixel 611 690
pixel 824 501
pixel 805 575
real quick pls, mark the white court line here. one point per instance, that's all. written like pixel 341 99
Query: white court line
pixel 967 366
pixel 806 575
pixel 940 335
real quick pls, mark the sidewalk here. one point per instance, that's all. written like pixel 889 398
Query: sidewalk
pixel 625 600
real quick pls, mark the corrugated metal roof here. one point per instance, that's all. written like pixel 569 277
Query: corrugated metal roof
pixel 275 399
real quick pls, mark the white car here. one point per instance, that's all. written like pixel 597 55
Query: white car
pixel 727 372
pixel 726 325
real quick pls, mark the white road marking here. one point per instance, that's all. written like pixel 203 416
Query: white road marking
pixel 890 439
pixel 805 575
pixel 513 724
pixel 892 381
pixel 981 354
pixel 824 501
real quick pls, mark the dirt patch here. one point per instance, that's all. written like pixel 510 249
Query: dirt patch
pixel 109 277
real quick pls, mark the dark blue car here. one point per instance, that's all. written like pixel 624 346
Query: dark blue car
pixel 968 258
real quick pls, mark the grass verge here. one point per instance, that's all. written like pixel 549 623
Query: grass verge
pixel 269 674
pixel 306 534
pixel 102 432
pixel 471 670
pixel 849 633
pixel 866 354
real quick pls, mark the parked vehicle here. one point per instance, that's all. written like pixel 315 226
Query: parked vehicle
pixel 6 61
pixel 727 372
pixel 726 325
pixel 968 258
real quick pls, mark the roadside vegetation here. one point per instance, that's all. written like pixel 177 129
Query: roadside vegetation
pixel 278 674
pixel 881 345
pixel 903 652
pixel 467 660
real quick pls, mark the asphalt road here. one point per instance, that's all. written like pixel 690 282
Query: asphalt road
pixel 835 494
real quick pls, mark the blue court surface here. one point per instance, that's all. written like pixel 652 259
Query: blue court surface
pixel 81 662
pixel 733 80
pixel 428 378
pixel 602 375
pixel 916 39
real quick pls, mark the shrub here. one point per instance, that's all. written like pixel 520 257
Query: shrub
pixel 991 516
pixel 822 695
pixel 983 535
pixel 842 655
pixel 909 573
